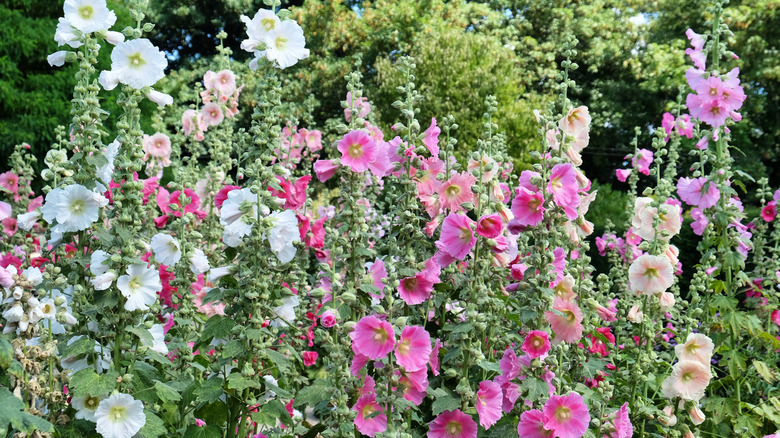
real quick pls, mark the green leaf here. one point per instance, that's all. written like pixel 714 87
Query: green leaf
pixel 208 431
pixel 12 412
pixel 87 382
pixel 213 413
pixel 278 359
pixel 534 388
pixel 211 389
pixel 6 354
pixel 490 366
pixel 143 334
pixel 238 382
pixel 592 366
pixel 80 347
pixel 444 401
pixel 216 327
pixel 313 394
pixel 276 409
pixel 154 426
pixel 767 374
pixel 166 393
pixel 233 349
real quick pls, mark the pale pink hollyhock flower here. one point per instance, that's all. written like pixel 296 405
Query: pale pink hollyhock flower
pixel 567 415
pixel 697 347
pixel 559 263
pixel 457 236
pixel 10 181
pixel 527 208
pixel 413 348
pixel 666 301
pixel 357 150
pixel 189 121
pixel 651 275
pixel 692 191
pixel 563 185
pixel 668 419
pixel 490 226
pixel 309 358
pixel 769 212
pixel 328 319
pixel 565 289
pixel 452 424
pixel 5 210
pixel 576 120
pixel 688 380
pixel 325 169
pixel 159 147
pixel 606 314
pixel 360 104
pixel 212 114
pixel 372 337
pixel 365 424
pixel 225 82
pixel 488 404
pixel 531 425
pixel 622 174
pixel 635 315
pixel 642 160
pixel 433 360
pixel 456 191
pixel 536 343
pixel 431 140
pixel 567 328
pixel 697 416
pixel 485 162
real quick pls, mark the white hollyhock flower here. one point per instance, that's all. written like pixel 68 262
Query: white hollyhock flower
pixel 161 99
pixel 108 79
pixel 217 273
pixel 67 34
pixel 137 63
pixel 283 234
pixel 33 275
pixel 86 407
pixel 233 215
pixel 57 59
pixel 75 207
pixel 26 221
pixel 158 343
pixel 199 263
pixel 106 171
pixel 46 310
pixel 14 313
pixel 103 281
pixel 139 286
pixel 258 28
pixel 97 262
pixel 89 15
pixel 166 249
pixel 120 416
pixel 114 37
pixel 285 314
pixel 285 45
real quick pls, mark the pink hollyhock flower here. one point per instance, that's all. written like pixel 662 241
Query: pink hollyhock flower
pixel 294 194
pixel 567 415
pixel 373 338
pixel 622 174
pixel 5 210
pixel 413 349
pixel 328 319
pixel 769 212
pixel 309 358
pixel 691 190
pixel 212 114
pixel 9 226
pixel 622 424
pixel 559 263
pixel 597 346
pixel 358 362
pixel 576 120
pixel 364 422
pixel 567 328
pixel 510 365
pixel 159 147
pixel 325 169
pixel 642 160
pixel 165 200
pixel 357 150
pixel 525 180
pixel 457 236
pixel 651 275
pixel 378 273
pixel 452 424
pixel 10 182
pixel 456 191
pixel 531 425
pixel 225 82
pixel 607 314
pixel 697 347
pixel 488 404
pixel 700 221
pixel 433 360
pixel 688 380
pixel 527 208
pixel 710 111
pixel 415 290
pixel 360 104
pixel 667 122
pixel 536 344
pixel 490 226
pixel 684 126
pixel 563 185
pixel 431 140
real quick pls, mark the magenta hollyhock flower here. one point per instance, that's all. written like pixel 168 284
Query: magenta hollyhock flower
pixel 372 337
pixel 410 390
pixel 667 122
pixel 622 174
pixel 431 140
pixel 700 221
pixel 642 160
pixel 692 191
pixel 567 415
pixel 457 236
pixel 597 346
pixel 567 328
pixel 536 343
pixel 489 399
pixel 328 319
pixel 510 365
pixel 433 360
pixel 559 263
pixel 413 349
pixel 309 358
pixel 622 424
pixel 358 362
pixel 563 185
pixel 365 424
pixel 490 225
pixel 769 212
pixel 527 208
pixel 357 150
pixel 531 425
pixel 325 169
pixel 415 290
pixel 294 193
pixel 452 424
pixel 684 126
pixel 456 191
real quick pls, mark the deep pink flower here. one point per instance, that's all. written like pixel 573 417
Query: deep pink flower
pixel 456 191
pixel 453 424
pixel 413 349
pixel 510 365
pixel 622 174
pixel 536 343
pixel 373 338
pixel 457 236
pixel 531 425
pixel 357 150
pixel 490 226
pixel 412 387
pixel 433 360
pixel 692 191
pixel 328 319
pixel 769 212
pixel 415 290
pixel 567 328
pixel 567 415
pixel 325 169
pixel 309 358
pixel 488 404
pixel 294 194
pixel 700 221
pixel 642 160
pixel 563 185
pixel 622 424
pixel 431 140
pixel 527 208
pixel 597 346
pixel 365 424
pixel 358 362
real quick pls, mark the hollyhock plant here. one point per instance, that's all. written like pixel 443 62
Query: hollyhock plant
pixel 372 337
pixel 527 208
pixel 768 213
pixel 490 226
pixel 415 290
pixel 413 348
pixel 285 45
pixel 357 150
pixel 688 380
pixel 119 416
pixel 431 140
pixel 136 63
pixel 88 15
pixel 452 424
pixel 536 344
pixel 139 286
pixel 576 120
pixel 642 160
pixel 567 416
pixel 697 347
pixel 622 174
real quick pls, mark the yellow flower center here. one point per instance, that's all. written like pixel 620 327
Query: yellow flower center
pixel 268 23
pixel 134 284
pixel 355 150
pixel 367 410
pixel 136 59
pixel 117 413
pixel 404 347
pixel 280 42
pixel 651 272
pixel 86 12
pixel 453 428
pixel 91 403
pixel 77 206
pixel 562 413
pixel 453 191
pixel 380 335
